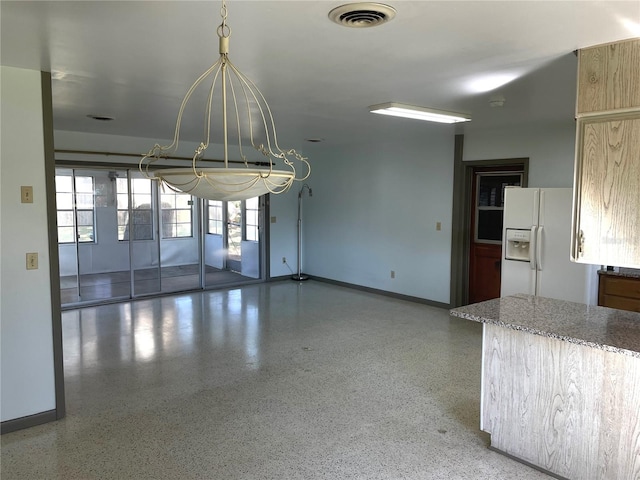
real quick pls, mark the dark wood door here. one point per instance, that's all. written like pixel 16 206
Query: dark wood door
pixel 485 253
pixel 484 272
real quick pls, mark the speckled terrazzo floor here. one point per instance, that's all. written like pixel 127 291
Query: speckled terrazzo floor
pixel 271 381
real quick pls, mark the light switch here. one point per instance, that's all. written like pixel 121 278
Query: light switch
pixel 26 194
pixel 438 226
pixel 273 219
pixel 32 261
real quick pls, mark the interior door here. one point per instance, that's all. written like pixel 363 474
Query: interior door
pixel 485 253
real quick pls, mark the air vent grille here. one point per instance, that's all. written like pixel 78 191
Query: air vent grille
pixel 362 15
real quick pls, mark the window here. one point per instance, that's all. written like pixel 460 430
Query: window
pixel 490 204
pixel 78 225
pixel 176 215
pixel 252 213
pixel 214 216
pixel 142 212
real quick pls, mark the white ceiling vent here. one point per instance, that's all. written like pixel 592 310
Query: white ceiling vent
pixel 362 15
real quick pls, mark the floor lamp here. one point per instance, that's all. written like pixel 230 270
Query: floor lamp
pixel 299 276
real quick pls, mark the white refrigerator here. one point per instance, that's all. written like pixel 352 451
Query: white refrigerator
pixel 536 245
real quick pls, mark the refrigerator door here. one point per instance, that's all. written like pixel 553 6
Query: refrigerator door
pixel 558 277
pixel 520 212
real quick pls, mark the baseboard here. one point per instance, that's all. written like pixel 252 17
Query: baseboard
pixel 528 464
pixel 28 421
pixel 386 293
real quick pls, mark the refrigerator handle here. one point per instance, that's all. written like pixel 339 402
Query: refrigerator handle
pixel 533 248
pixel 539 249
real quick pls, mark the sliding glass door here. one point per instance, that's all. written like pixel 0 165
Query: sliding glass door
pixel 121 236
pixel 93 263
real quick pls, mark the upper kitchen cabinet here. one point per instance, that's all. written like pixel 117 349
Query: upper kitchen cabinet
pixel 609 77
pixel 606 222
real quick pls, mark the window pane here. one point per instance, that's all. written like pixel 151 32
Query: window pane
pixel 142 232
pixel 252 203
pixel 141 185
pixel 123 217
pixel 65 218
pixel 85 234
pixel 84 185
pixel 123 201
pixel 490 225
pixel 142 216
pixel 183 230
pixel 141 201
pixel 168 230
pixel 121 185
pixel 65 235
pixel 182 201
pixel 84 200
pixel 252 217
pixel 64 201
pixel 63 183
pixel 85 217
pixel 123 232
pixel 183 216
pixel 168 201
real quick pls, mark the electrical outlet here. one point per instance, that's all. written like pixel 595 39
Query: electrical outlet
pixel 284 259
pixel 32 261
pixel 393 274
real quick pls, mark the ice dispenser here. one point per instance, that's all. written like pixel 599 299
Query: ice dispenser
pixel 517 244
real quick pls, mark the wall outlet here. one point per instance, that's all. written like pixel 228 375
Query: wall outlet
pixel 393 274
pixel 284 259
pixel 32 261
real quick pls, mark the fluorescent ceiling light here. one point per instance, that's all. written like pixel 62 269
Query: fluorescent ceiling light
pixel 419 113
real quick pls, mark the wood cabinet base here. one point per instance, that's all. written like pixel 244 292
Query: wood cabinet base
pixel 569 409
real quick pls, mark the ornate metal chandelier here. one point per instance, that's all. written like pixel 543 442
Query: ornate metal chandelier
pixel 243 108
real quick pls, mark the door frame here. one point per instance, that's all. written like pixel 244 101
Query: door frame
pixel 461 217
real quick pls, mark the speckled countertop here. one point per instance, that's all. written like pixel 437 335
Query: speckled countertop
pixel 622 272
pixel 598 327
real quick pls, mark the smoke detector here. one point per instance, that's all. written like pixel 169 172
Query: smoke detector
pixel 362 15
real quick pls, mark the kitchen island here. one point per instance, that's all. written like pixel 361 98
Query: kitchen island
pixel 561 385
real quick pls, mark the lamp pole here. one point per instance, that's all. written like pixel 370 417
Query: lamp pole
pixel 300 276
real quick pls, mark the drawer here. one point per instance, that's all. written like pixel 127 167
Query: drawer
pixel 622 286
pixel 622 303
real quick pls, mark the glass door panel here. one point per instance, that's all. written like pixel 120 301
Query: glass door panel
pixel 234 236
pixel 67 248
pixel 138 228
pixel 179 242
pixel 103 262
pixel 250 250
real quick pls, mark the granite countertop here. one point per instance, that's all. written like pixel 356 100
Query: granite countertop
pixel 622 272
pixel 598 327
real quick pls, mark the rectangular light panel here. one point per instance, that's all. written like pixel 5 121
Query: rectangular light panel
pixel 419 113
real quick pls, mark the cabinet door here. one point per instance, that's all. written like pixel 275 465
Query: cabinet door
pixel 607 221
pixel 609 77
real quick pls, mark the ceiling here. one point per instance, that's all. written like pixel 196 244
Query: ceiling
pixel 135 60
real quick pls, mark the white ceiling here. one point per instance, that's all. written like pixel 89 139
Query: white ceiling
pixel 134 60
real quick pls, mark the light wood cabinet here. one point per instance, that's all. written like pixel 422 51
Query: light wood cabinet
pixel 606 227
pixel 609 77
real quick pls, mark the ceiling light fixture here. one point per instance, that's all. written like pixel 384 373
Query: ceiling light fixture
pixel 241 105
pixel 419 113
